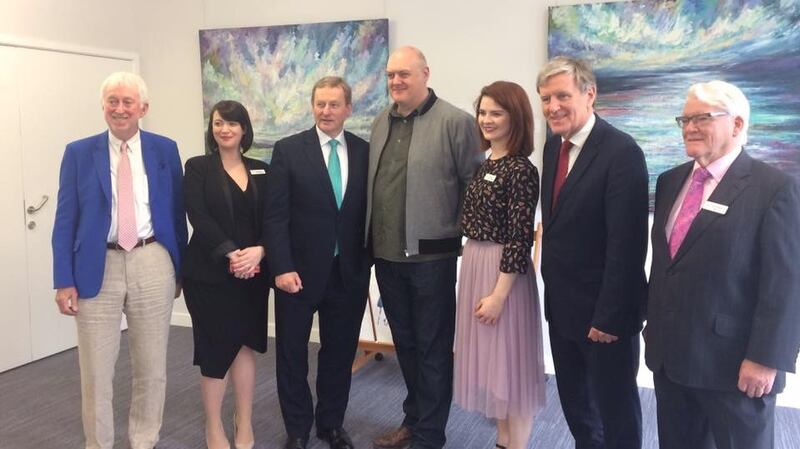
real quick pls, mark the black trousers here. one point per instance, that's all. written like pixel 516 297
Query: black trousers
pixel 597 388
pixel 420 301
pixel 695 418
pixel 340 313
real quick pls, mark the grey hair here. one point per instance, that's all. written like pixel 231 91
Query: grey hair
pixel 725 96
pixel 580 70
pixel 125 79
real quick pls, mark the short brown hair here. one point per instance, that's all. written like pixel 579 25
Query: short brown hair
pixel 513 99
pixel 333 81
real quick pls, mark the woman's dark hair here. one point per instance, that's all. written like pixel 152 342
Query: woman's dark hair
pixel 513 99
pixel 231 111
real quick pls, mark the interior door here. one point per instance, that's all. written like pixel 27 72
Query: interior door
pixel 59 103
pixel 51 96
pixel 15 319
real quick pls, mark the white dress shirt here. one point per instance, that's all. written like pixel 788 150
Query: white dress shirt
pixel 578 140
pixel 341 150
pixel 717 169
pixel 141 198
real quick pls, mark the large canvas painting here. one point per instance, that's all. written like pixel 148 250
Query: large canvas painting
pixel 647 53
pixel 272 69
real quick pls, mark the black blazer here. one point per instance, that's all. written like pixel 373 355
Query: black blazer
pixel 595 241
pixel 207 198
pixel 302 220
pixel 733 289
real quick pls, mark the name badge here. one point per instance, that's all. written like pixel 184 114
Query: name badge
pixel 715 207
pixel 258 171
pixel 489 177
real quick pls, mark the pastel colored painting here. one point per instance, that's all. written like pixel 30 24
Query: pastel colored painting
pixel 646 54
pixel 272 69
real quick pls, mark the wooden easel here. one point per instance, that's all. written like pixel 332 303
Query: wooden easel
pixel 370 348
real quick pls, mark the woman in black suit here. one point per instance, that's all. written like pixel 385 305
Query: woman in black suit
pixel 224 275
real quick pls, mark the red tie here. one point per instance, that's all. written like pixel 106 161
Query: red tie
pixel 561 170
pixel 127 234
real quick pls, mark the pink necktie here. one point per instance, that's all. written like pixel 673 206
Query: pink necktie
pixel 561 170
pixel 127 234
pixel 689 209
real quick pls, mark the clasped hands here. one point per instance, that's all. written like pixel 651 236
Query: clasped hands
pixel 243 262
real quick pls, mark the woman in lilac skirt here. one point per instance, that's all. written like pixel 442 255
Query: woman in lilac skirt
pixel 499 369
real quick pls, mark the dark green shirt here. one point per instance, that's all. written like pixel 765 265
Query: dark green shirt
pixel 389 192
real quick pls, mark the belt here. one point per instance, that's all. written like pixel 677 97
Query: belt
pixel 141 242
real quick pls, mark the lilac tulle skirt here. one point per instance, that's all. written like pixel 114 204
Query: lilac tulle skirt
pixel 499 369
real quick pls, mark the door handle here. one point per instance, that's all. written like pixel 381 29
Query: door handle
pixel 33 209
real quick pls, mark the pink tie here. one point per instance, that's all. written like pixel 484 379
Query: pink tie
pixel 689 209
pixel 127 234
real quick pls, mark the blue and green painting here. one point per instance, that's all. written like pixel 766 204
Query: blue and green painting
pixel 646 54
pixel 272 69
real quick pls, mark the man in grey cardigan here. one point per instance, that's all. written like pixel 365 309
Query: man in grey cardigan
pixel 423 153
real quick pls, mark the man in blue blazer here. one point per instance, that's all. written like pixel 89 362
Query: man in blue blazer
pixel 118 236
pixel 724 296
pixel 594 211
pixel 315 213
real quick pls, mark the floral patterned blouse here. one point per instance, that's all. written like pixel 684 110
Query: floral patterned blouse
pixel 500 205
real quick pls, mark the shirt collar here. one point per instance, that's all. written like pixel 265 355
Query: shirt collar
pixel 324 138
pixel 580 137
pixel 424 107
pixel 115 143
pixel 719 167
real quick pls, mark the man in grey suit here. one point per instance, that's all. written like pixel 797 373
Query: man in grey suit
pixel 724 284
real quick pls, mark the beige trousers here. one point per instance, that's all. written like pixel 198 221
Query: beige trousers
pixel 141 284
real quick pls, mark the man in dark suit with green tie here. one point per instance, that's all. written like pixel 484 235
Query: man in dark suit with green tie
pixel 315 213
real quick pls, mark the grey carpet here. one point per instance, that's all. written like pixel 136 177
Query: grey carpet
pixel 40 407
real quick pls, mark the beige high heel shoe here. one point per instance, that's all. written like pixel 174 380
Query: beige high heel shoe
pixel 235 432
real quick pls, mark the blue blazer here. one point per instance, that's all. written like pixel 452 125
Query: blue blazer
pixel 83 215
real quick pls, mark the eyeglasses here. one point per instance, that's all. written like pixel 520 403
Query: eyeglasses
pixel 698 119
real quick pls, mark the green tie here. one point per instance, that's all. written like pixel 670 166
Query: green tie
pixel 335 172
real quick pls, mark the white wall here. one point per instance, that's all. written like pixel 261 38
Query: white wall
pixel 467 44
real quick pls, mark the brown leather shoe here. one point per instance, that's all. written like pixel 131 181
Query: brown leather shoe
pixel 398 438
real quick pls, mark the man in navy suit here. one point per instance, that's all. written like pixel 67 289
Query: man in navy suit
pixel 594 210
pixel 118 237
pixel 316 207
pixel 724 296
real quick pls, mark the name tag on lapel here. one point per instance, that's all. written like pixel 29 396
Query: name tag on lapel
pixel 715 207
pixel 490 177
pixel 258 171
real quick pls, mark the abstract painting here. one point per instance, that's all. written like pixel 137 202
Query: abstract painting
pixel 646 54
pixel 272 69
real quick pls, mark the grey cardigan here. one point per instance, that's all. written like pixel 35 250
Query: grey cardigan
pixel 443 155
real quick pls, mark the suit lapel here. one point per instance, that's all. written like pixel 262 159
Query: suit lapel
pixel 585 157
pixel 216 166
pixel 548 176
pixel 102 165
pixel 313 152
pixel 672 186
pixel 152 166
pixel 353 168
pixel 733 183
